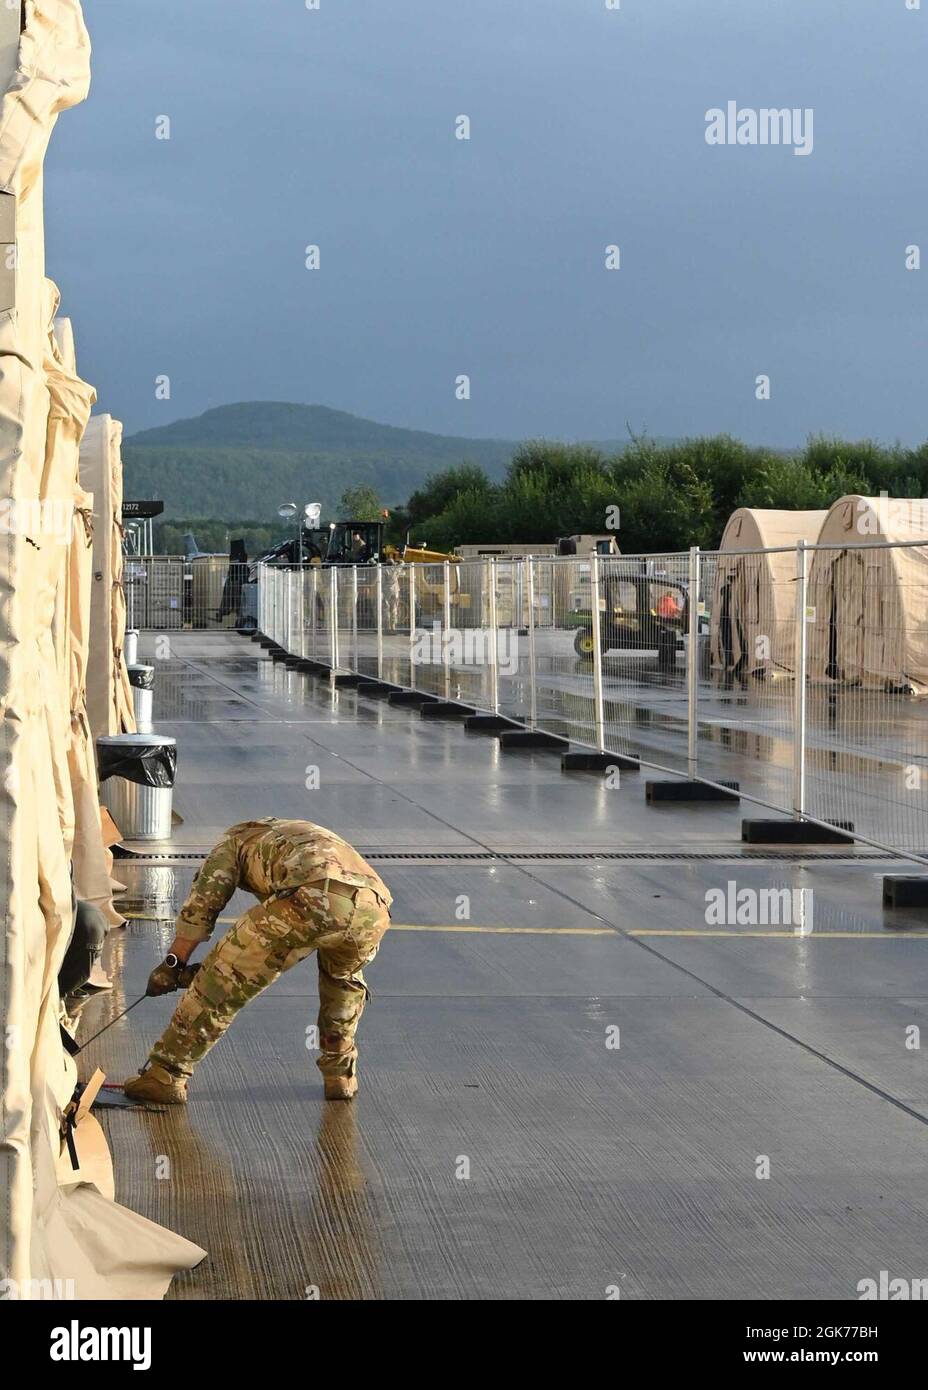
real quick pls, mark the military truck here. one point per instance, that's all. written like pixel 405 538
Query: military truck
pixel 641 607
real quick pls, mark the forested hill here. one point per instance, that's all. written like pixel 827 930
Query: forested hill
pixel 244 460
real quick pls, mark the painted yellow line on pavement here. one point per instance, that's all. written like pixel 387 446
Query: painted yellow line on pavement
pixel 416 926
pixel 786 935
pixel 660 931
pixel 609 931
pixel 510 931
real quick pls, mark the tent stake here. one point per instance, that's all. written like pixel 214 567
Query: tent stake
pixel 110 1024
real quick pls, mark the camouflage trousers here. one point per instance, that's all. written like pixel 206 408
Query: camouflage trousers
pixel 342 924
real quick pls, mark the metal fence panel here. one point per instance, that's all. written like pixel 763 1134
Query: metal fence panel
pixel 687 661
pixel 559 689
pixel 313 612
pixel 168 592
pixel 866 746
pixel 747 701
pixel 643 606
pixel 473 648
pixel 155 592
pixel 432 633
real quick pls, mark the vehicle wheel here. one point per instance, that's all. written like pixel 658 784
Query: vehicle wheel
pixel 583 643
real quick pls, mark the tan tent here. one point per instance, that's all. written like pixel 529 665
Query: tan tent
pixel 109 694
pixel 752 629
pixel 70 401
pixel 58 1221
pixel 871 598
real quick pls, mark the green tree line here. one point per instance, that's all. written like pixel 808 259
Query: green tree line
pixel 669 496
pixel 214 536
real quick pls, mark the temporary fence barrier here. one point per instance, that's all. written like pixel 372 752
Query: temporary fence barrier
pixel 756 667
pixel 166 593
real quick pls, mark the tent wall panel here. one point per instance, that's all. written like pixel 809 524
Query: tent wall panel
pixel 72 1232
pixel 71 402
pixel 871 604
pixel 109 695
pixel 753 593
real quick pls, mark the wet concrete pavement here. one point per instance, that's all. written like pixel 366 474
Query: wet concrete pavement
pixel 571 1079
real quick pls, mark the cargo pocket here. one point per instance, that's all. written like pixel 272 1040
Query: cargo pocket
pixel 369 922
pixel 285 921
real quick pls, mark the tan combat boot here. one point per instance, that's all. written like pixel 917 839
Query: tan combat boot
pixel 340 1087
pixel 158 1085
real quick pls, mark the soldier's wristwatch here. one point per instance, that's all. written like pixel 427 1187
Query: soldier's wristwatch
pixel 171 960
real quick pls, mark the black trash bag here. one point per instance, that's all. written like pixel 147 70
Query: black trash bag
pixel 149 764
pixel 142 677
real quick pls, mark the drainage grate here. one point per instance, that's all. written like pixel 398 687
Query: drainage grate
pixel 175 857
pixel 456 856
pixel 678 855
pixel 562 856
pixel 593 856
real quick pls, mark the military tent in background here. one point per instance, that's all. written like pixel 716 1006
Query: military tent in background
pixel 109 694
pixel 871 599
pixel 752 629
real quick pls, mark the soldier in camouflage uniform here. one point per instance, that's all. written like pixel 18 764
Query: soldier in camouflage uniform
pixel 315 893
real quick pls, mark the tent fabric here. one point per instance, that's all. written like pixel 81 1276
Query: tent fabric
pixel 53 536
pixel 34 882
pixel 752 627
pixel 72 1232
pixel 870 596
pixel 71 402
pixel 109 695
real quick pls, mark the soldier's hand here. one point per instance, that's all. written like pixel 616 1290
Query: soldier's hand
pixel 164 979
pixel 187 974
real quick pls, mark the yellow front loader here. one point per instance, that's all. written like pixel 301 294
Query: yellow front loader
pixel 430 583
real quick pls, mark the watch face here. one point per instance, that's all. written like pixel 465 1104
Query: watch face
pixel 171 960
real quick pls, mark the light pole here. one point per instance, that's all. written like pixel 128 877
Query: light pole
pixel 312 511
pixel 287 511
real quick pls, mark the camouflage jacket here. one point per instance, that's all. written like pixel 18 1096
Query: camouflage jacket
pixel 269 857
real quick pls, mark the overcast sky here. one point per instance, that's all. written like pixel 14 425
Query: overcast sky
pixel 486 257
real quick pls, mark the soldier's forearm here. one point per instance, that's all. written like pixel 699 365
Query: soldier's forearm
pixel 210 891
pixel 193 927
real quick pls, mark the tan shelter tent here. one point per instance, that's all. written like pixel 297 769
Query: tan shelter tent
pixel 109 694
pixel 870 597
pixel 60 1231
pixel 70 401
pixel 752 629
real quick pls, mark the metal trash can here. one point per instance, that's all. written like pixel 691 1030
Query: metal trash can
pixel 137 783
pixel 130 649
pixel 142 680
